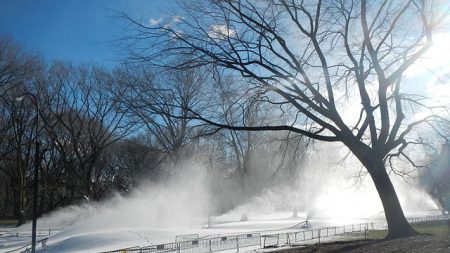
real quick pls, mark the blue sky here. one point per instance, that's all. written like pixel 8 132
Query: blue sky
pixel 74 30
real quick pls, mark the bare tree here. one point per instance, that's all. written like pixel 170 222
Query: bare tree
pixel 260 159
pixel 15 64
pixel 82 122
pixel 17 158
pixel 160 104
pixel 310 59
pixel 18 120
pixel 131 161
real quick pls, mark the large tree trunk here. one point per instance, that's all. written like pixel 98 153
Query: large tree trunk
pixel 397 224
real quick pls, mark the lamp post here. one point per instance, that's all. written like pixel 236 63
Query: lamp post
pixel 36 170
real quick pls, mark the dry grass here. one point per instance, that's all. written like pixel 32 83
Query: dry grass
pixel 8 223
pixel 434 237
pixel 432 228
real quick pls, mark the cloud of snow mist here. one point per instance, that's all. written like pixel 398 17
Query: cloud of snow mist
pixel 181 200
pixel 326 188
pixel 330 186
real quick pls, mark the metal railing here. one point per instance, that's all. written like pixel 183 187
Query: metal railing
pixel 40 232
pixel 237 242
pixel 205 245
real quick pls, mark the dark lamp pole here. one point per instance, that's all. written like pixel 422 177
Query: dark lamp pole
pixel 36 171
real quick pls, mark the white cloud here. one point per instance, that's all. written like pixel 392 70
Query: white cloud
pixel 221 32
pixel 154 22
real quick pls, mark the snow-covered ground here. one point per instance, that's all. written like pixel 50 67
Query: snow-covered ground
pixel 82 239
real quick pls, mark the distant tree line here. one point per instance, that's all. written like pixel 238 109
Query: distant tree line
pixel 103 130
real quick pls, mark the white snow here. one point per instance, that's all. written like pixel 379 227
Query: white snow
pixel 79 239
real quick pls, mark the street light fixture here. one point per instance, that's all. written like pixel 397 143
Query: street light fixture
pixel 19 98
pixel 36 169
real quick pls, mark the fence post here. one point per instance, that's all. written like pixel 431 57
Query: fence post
pixel 304 239
pixel 210 247
pixel 237 243
pixel 353 228
pixel 318 233
pixel 278 239
pixel 344 229
pixel 264 240
pixel 288 239
pixel 260 241
pixel 327 231
pixel 178 247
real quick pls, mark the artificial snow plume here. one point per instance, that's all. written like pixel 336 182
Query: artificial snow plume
pixel 151 214
pixel 328 186
pixel 333 185
pixel 180 200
